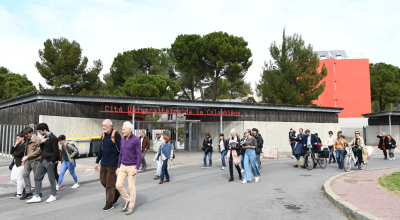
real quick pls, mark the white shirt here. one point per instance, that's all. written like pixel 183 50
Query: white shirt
pixel 141 141
pixel 309 140
pixel 330 141
pixel 221 145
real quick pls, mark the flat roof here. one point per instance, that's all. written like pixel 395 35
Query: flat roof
pixel 37 96
pixel 381 114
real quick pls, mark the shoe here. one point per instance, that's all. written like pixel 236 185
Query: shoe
pixel 293 157
pixel 26 196
pixel 240 176
pixel 125 207
pixel 161 182
pixel 107 208
pixel 385 159
pixel 129 212
pixel 203 167
pixel 394 158
pixel 58 187
pixel 156 177
pixel 244 181
pixel 34 200
pixel 166 181
pixel 242 171
pixel 116 198
pixel 223 168
pixel 16 196
pixel 329 162
pixel 76 185
pixel 390 158
pixel 144 168
pixel 51 199
pixel 303 167
pixel 257 179
pixel 141 168
pixel 296 166
pixel 209 167
pixel 334 161
pixel 230 179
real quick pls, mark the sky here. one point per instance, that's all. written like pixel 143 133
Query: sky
pixel 105 28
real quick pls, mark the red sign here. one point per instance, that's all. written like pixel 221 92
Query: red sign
pixel 170 111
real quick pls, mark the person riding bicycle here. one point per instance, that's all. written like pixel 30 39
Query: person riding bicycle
pixel 312 141
pixel 359 149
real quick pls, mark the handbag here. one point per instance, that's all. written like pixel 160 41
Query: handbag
pixel 319 144
pixel 11 165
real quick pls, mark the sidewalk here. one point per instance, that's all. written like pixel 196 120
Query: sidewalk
pixel 358 194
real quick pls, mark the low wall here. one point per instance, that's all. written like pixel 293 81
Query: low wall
pixel 374 130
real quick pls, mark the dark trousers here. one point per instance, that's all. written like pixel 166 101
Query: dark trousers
pixel 56 171
pixel 45 167
pixel 28 167
pixel 231 167
pixel 331 154
pixel 384 152
pixel 359 156
pixel 108 179
pixel 164 170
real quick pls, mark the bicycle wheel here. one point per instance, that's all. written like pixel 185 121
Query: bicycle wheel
pixel 347 163
pixel 309 161
pixel 323 162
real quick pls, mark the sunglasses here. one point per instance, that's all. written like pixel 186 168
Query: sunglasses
pixel 357 133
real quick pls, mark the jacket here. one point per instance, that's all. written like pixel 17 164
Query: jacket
pixel 300 149
pixel 242 142
pixel 339 145
pixel 238 147
pixel 392 143
pixel 18 153
pixel 260 142
pixel 205 145
pixel 381 142
pixel 146 143
pixel 364 148
pixel 226 143
pixel 314 142
pixel 168 152
pixel 108 153
pixel 292 136
pixel 71 152
pixel 156 144
pixel 32 149
pixel 50 149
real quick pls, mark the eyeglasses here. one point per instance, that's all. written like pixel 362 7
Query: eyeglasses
pixel 357 133
pixel 157 134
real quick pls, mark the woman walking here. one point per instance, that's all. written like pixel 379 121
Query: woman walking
pixel 68 153
pixel 233 155
pixel 18 169
pixel 207 148
pixel 242 151
pixel 222 145
pixel 381 145
pixel 165 154
pixel 391 145
pixel 250 158
pixel 329 142
pixel 339 149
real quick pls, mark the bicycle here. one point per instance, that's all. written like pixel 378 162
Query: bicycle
pixel 349 158
pixel 311 159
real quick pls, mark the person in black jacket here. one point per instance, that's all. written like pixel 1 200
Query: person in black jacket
pixel 49 147
pixel 207 148
pixel 223 143
pixel 382 144
pixel 242 151
pixel 292 141
pixel 260 142
pixel 18 169
pixel 233 155
pixel 390 145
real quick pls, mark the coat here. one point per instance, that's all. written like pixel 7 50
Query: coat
pixel 168 152
pixel 300 149
pixel 18 153
pixel 146 143
pixel 205 145
pixel 260 142
pixel 71 152
pixel 314 142
pixel 364 149
pixel 381 142
pixel 392 143
pixel 226 143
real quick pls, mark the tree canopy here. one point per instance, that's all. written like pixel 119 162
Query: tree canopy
pixel 292 76
pixel 385 84
pixel 65 70
pixel 156 86
pixel 13 84
pixel 229 89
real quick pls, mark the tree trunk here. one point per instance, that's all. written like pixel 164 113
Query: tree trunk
pixel 215 86
pixel 200 87
pixel 192 90
pixel 184 92
pixel 381 107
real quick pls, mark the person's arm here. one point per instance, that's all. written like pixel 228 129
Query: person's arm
pixel 297 138
pixel 73 150
pixel 118 140
pixel 54 146
pixel 100 153
pixel 352 142
pixel 139 155
pixel 120 157
pixel 147 143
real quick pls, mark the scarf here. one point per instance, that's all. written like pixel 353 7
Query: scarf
pixel 235 157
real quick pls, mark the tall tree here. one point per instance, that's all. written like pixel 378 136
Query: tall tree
pixel 156 86
pixel 292 76
pixel 227 56
pixel 65 70
pixel 385 84
pixel 13 84
pixel 229 89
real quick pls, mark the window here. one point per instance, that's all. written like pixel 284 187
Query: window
pixel 170 117
pixel 335 102
pixel 335 87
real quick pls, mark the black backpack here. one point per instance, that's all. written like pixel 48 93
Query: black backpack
pixel 77 155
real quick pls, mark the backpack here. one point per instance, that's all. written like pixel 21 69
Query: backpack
pixel 77 155
pixel 112 139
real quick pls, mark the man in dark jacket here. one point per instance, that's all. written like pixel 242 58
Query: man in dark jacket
pixel 49 147
pixel 109 155
pixel 311 140
pixel 292 141
pixel 145 141
pixel 259 148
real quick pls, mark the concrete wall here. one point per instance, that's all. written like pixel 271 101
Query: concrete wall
pixel 273 133
pixel 374 130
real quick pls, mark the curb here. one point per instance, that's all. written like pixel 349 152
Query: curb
pixel 343 205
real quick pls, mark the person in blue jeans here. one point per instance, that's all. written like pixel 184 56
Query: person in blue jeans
pixel 339 147
pixel 207 147
pixel 223 143
pixel 250 163
pixel 68 153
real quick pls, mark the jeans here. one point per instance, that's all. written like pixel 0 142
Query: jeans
pixel 164 170
pixel 71 167
pixel 158 172
pixel 17 177
pixel 143 159
pixel 44 167
pixel 293 145
pixel 331 154
pixel 340 158
pixel 209 158
pixel 242 161
pixel 28 167
pixel 258 160
pixel 391 153
pixel 223 154
pixel 250 158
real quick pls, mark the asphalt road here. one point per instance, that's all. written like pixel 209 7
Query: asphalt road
pixel 194 193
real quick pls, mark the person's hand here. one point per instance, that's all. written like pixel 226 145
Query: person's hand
pixel 316 143
pixel 24 159
pixel 96 167
pixel 154 160
pixel 134 172
pixel 299 138
pixel 305 145
pixel 44 140
pixel 117 171
pixel 209 144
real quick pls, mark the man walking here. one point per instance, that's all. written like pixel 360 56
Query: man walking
pixel 157 144
pixel 31 159
pixel 222 145
pixel 311 141
pixel 109 154
pixel 145 143
pixel 129 161
pixel 292 140
pixel 49 147
pixel 259 147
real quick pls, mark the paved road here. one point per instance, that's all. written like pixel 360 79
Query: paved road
pixel 194 193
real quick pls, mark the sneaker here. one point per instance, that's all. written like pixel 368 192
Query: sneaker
pixel 296 166
pixel 394 158
pixel 107 208
pixel 203 167
pixel 116 199
pixel 26 196
pixel 223 168
pixel 257 179
pixel 58 187
pixel 76 185
pixel 242 171
pixel 209 167
pixel 51 199
pixel 129 212
pixel 166 181
pixel 156 177
pixel 34 199
pixel 16 196
pixel 161 182
pixel 244 181
pixel 390 159
pixel 231 179
pixel 293 157
pixel 144 168
pixel 125 207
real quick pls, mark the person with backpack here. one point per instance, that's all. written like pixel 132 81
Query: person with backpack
pixel 207 148
pixel 109 155
pixel 68 155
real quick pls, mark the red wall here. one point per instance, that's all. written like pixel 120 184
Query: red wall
pixel 353 91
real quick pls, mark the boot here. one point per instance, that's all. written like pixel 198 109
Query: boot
pixel 231 179
pixel 240 176
pixel 144 168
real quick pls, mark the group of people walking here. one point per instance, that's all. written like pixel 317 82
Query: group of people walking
pixel 387 143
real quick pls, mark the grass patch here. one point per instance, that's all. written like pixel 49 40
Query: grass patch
pixel 391 182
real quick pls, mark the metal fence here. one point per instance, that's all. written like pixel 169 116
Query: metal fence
pixel 8 135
